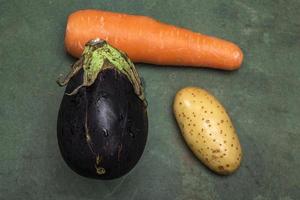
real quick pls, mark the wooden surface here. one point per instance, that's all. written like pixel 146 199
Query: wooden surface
pixel 262 98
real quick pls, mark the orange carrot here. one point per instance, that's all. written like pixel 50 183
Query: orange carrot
pixel 146 40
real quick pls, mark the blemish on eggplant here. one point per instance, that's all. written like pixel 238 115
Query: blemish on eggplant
pixel 121 117
pixel 120 146
pixel 99 170
pixel 132 134
pixel 105 132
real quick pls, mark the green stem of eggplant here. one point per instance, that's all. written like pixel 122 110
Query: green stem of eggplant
pixel 98 55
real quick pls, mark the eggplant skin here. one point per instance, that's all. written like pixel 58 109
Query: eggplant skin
pixel 102 129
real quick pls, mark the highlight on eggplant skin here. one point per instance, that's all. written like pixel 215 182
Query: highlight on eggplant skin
pixel 102 128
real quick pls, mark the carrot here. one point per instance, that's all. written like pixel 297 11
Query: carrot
pixel 146 40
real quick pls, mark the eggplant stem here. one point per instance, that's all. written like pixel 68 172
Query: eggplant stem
pixel 74 70
pixel 136 81
pixel 92 61
pixel 76 90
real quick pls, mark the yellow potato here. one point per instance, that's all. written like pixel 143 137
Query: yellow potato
pixel 207 129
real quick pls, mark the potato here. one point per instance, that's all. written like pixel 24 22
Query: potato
pixel 207 129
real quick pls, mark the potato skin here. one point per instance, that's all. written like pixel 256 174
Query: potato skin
pixel 207 130
pixel 102 130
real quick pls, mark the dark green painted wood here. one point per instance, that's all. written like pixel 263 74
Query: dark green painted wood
pixel 262 98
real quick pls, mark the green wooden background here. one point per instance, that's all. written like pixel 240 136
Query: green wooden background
pixel 262 98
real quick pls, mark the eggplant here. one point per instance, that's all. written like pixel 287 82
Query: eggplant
pixel 102 123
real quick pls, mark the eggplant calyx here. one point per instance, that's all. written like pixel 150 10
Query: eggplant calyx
pixel 93 59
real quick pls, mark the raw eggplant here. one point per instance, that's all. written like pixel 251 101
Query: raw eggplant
pixel 102 126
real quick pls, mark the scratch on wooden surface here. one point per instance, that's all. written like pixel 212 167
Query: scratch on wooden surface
pixel 30 158
pixel 115 188
pixel 134 194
